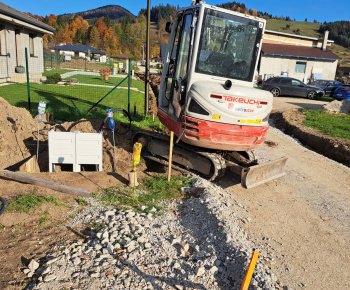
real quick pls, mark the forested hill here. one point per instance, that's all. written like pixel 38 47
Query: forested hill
pixel 339 31
pixel 114 12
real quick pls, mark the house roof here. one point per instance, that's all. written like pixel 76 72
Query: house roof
pixel 78 47
pixel 294 35
pixel 121 55
pixel 297 51
pixel 9 11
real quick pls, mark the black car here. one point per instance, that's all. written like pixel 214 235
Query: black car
pixel 327 85
pixel 285 86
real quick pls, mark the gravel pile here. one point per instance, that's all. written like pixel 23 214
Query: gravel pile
pixel 195 244
pixel 338 107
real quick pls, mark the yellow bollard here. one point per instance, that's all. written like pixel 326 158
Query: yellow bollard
pixel 135 162
pixel 250 271
pixel 136 155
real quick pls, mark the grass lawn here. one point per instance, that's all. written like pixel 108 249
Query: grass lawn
pixel 306 28
pixel 333 125
pixel 71 102
pixel 112 81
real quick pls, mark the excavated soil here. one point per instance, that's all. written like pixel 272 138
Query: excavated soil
pixel 335 148
pixel 18 139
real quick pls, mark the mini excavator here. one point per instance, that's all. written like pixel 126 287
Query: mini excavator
pixel 207 98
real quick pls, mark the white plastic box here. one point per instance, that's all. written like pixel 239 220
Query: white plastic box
pixel 75 148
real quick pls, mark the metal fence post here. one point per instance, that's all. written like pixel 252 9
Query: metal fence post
pixel 129 86
pixel 27 70
pixel 51 59
pixel 85 62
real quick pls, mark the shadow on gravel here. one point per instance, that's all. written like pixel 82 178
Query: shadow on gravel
pixel 156 280
pixel 203 229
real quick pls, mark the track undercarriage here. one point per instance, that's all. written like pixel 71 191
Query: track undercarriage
pixel 210 164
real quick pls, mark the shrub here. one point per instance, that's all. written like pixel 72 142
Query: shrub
pixel 53 79
pixel 105 71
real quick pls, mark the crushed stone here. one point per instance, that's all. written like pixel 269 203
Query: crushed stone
pixel 196 243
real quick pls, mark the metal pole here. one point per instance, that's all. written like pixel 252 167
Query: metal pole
pixel 170 154
pixel 85 62
pixel 147 57
pixel 27 70
pixel 51 60
pixel 129 86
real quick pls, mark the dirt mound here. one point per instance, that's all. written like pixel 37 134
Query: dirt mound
pixel 17 129
pixel 334 148
pixel 18 140
pixel 338 106
pixel 154 81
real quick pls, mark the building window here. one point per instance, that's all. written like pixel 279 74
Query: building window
pixel 2 40
pixel 300 67
pixel 32 44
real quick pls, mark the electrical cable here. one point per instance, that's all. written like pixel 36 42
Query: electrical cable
pixel 4 205
pixel 37 149
pixel 114 152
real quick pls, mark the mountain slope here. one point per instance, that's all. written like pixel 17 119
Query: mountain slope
pixel 114 12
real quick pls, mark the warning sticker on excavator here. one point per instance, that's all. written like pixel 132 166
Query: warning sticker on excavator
pixel 216 117
pixel 257 121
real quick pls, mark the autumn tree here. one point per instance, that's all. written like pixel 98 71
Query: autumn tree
pixel 110 42
pixel 101 26
pixel 67 35
pixel 94 37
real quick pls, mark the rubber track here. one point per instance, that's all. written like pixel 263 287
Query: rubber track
pixel 216 160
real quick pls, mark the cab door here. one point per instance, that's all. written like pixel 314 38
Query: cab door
pixel 176 78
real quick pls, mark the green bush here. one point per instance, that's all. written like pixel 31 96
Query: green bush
pixel 53 79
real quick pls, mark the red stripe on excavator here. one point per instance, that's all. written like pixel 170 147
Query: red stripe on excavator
pixel 215 135
pixel 216 96
pixel 221 136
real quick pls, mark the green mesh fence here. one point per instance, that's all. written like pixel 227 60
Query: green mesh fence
pixel 72 84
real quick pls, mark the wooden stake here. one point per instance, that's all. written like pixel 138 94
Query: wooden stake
pixel 30 165
pixel 41 182
pixel 170 153
pixel 250 271
pixel 153 117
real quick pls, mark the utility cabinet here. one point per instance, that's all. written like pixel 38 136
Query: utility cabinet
pixel 75 148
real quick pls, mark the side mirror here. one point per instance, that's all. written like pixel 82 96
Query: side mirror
pixel 168 27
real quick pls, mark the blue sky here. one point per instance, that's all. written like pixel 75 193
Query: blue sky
pixel 321 10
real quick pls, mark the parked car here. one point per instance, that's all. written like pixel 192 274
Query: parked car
pixel 327 85
pixel 342 93
pixel 285 86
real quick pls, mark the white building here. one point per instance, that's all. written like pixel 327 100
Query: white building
pixel 79 50
pixel 296 56
pixel 17 32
